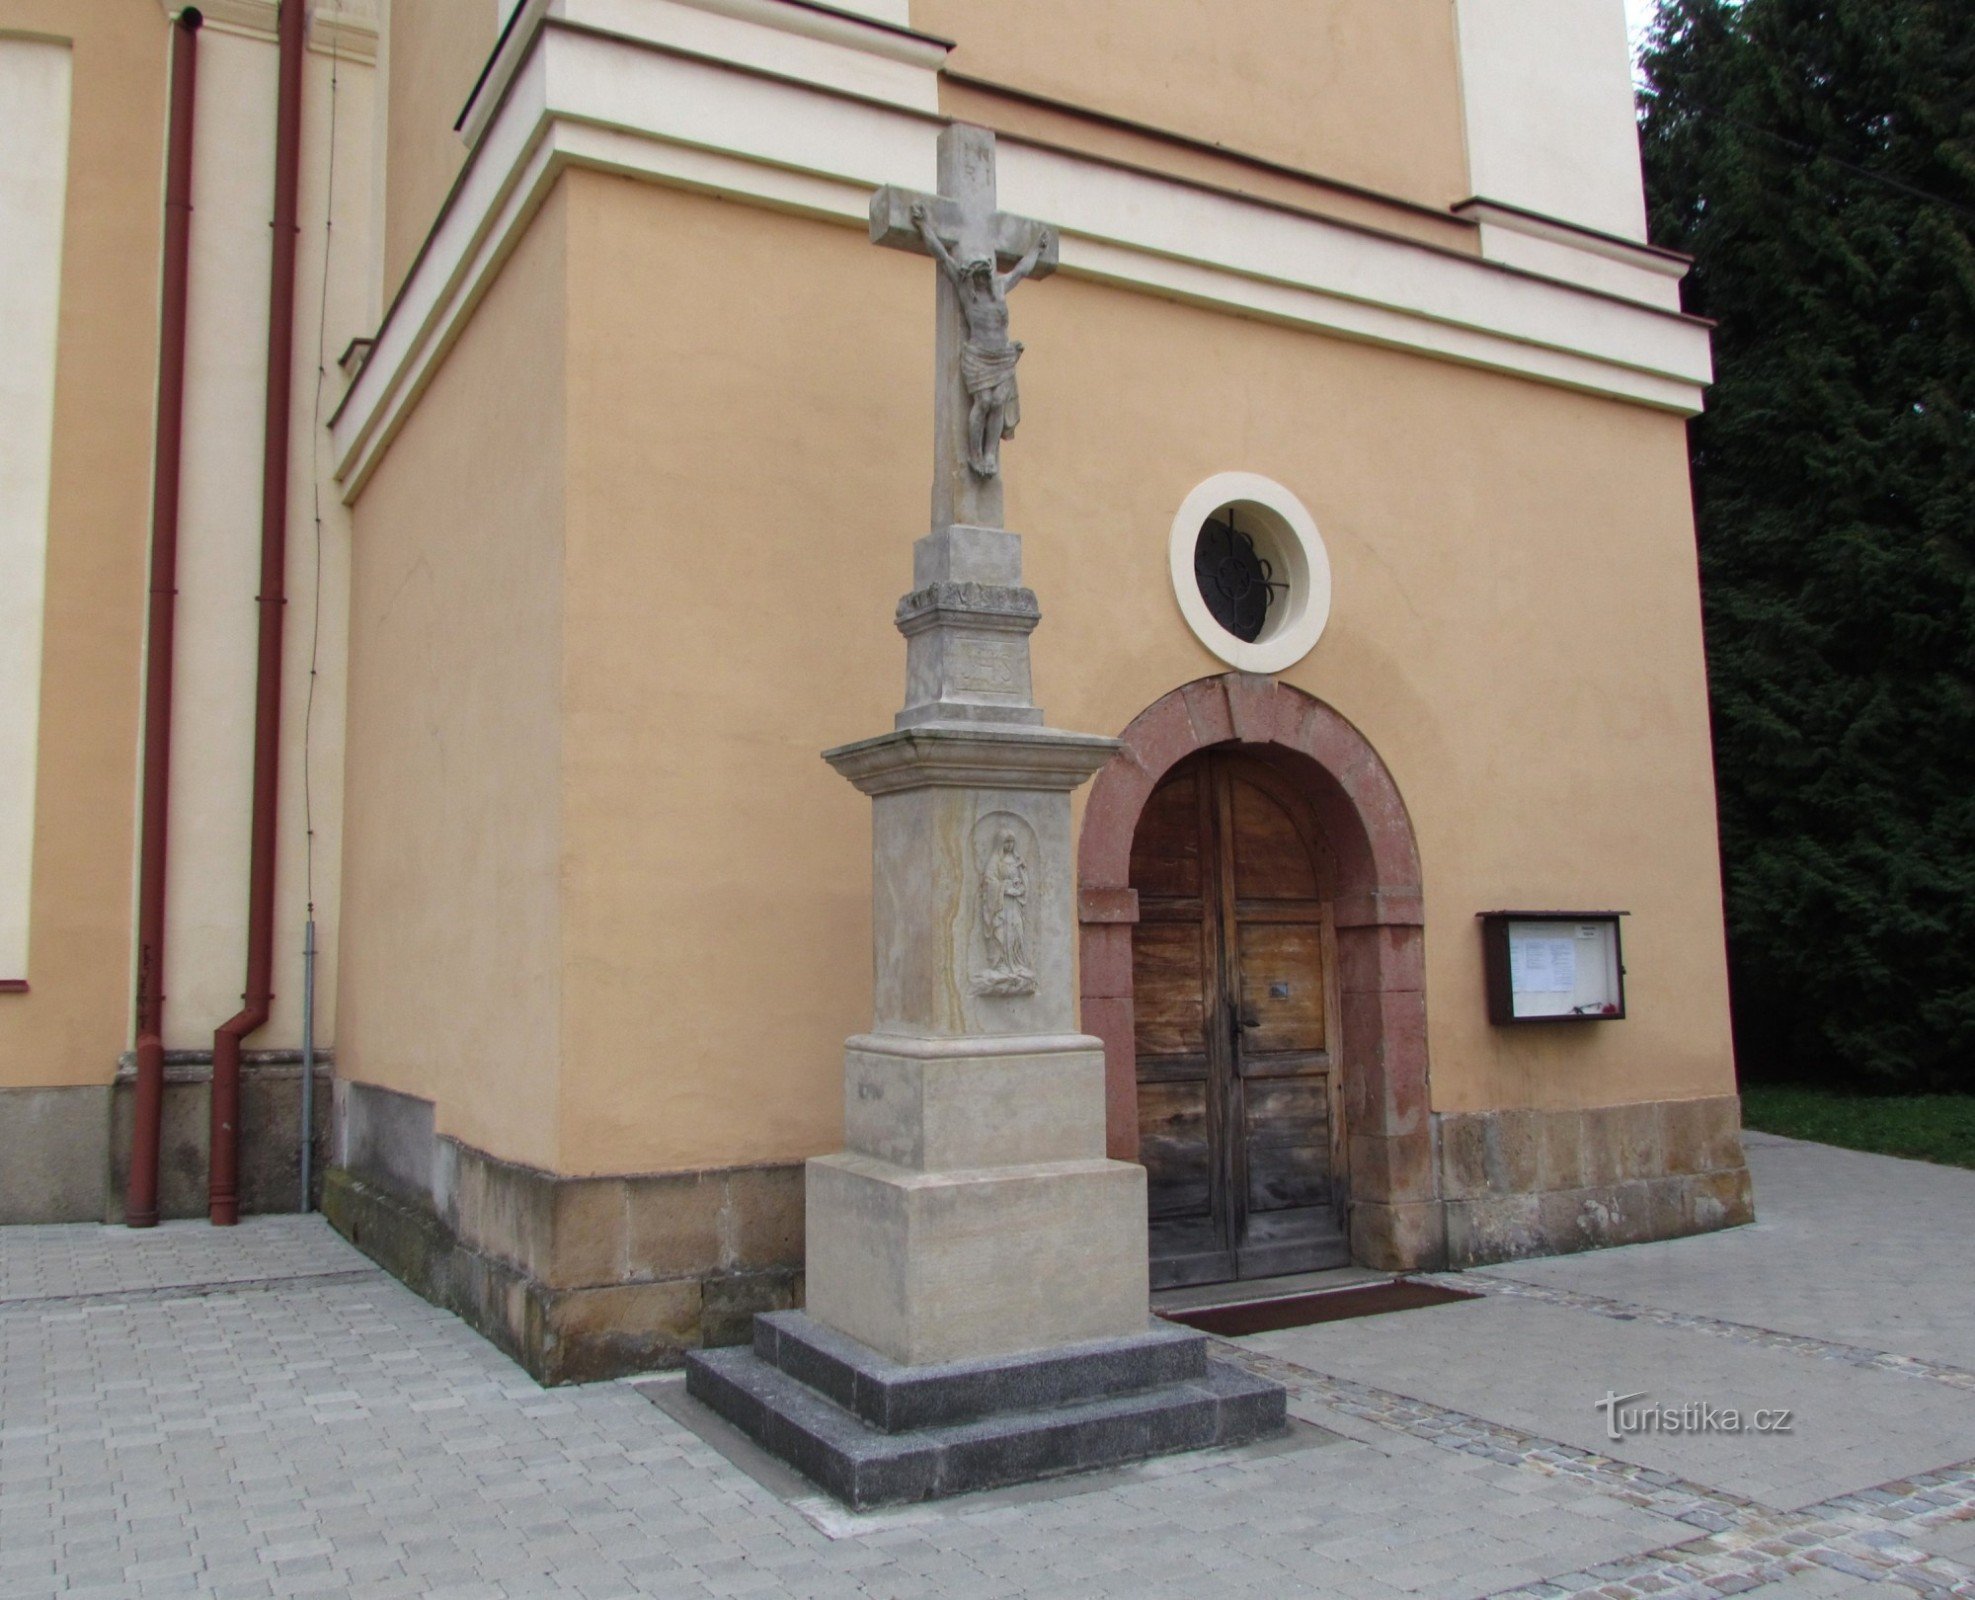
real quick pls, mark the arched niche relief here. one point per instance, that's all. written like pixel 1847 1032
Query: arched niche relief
pixel 1395 1217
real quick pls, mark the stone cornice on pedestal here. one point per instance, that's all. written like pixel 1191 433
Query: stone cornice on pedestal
pixel 981 605
pixel 976 756
pixel 973 1048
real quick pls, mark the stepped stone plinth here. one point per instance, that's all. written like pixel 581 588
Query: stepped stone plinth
pixel 877 1432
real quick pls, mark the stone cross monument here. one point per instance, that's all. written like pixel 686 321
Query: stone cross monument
pixel 967 619
pixel 976 1268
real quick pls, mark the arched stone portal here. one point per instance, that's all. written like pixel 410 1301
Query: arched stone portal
pixel 1395 1218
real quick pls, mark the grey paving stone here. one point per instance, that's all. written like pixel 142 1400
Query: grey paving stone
pixel 1548 1366
pixel 1856 1248
pixel 308 1402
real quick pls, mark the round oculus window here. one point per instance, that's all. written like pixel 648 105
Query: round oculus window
pixel 1250 571
pixel 1237 582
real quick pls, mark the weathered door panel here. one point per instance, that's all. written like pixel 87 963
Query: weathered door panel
pixel 1235 1068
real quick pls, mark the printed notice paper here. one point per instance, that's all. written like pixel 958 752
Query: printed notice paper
pixel 1542 966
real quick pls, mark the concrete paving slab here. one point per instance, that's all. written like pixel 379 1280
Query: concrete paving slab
pixel 54 1260
pixel 1543 1369
pixel 1857 1248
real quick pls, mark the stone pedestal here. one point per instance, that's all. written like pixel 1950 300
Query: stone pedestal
pixel 972 1255
pixel 974 1213
pixel 972 1246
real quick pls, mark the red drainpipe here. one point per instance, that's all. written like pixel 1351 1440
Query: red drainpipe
pixel 223 1197
pixel 141 1195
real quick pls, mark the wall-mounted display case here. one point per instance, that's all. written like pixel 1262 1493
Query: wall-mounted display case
pixel 1553 966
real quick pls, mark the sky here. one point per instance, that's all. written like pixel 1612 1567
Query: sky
pixel 1637 14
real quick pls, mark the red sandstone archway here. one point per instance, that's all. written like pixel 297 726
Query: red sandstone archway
pixel 1395 1205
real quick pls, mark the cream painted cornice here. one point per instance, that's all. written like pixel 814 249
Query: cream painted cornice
pixel 348 30
pixel 1558 249
pixel 580 97
pixel 1647 257
pixel 821 44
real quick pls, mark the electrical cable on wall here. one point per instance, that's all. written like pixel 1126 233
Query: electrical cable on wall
pixel 315 488
pixel 307 1152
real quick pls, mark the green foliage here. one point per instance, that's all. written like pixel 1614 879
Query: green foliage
pixel 1922 1127
pixel 1817 158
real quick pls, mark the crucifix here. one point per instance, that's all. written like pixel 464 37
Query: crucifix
pixel 982 253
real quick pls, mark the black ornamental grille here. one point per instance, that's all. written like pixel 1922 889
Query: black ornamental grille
pixel 1237 583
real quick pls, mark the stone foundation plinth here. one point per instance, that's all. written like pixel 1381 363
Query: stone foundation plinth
pixel 1529 1183
pixel 575 1278
pixel 55 1155
pixel 65 1151
pixel 270 1134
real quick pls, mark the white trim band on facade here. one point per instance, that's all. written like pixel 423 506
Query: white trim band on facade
pixel 580 97
pixel 871 57
pixel 1554 249
pixel 1286 538
pixel 34 109
pixel 347 29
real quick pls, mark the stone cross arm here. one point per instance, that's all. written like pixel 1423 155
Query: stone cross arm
pixel 892 225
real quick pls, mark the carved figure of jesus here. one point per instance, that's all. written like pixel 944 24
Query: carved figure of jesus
pixel 1004 918
pixel 988 357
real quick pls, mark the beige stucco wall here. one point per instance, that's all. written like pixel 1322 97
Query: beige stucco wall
pixel 452 953
pixel 719 900
pixel 1516 629
pixel 70 1025
pixel 1129 145
pixel 1364 91
pixel 433 57
pixel 220 537
pixel 74 1021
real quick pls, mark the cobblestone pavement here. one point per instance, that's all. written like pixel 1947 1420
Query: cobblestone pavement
pixel 260 1412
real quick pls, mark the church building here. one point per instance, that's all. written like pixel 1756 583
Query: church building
pixel 435 606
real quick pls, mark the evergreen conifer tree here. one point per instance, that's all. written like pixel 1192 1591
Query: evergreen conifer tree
pixel 1817 158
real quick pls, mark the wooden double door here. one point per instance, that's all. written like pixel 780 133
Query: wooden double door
pixel 1231 992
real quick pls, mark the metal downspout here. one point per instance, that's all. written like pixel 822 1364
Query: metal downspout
pixel 141 1194
pixel 223 1183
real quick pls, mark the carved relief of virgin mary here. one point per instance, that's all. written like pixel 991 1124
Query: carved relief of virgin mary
pixel 1004 910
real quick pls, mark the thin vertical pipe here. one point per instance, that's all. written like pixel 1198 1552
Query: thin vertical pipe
pixel 308 1065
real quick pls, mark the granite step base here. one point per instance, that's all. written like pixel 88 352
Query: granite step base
pixel 873 1433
